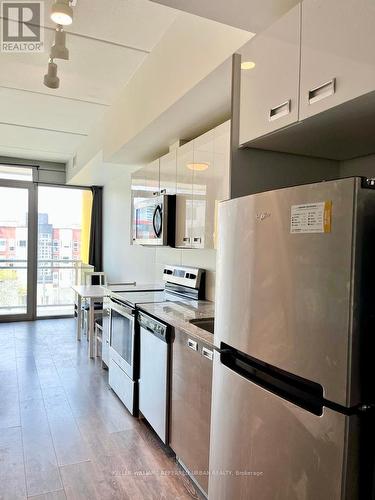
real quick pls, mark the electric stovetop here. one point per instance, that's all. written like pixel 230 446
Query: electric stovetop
pixel 135 298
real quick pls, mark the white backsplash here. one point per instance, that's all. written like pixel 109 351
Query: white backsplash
pixel 206 259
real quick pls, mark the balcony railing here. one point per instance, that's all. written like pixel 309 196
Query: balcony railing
pixel 55 277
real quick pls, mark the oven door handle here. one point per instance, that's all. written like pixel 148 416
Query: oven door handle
pixel 122 311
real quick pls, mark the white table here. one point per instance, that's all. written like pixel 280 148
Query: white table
pixel 92 293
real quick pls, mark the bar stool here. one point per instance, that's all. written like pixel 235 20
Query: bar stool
pixel 92 278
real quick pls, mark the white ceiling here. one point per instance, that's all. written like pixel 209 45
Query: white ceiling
pixel 206 105
pixel 250 15
pixel 108 41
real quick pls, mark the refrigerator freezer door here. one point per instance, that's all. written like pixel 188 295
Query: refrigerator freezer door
pixel 265 448
pixel 286 297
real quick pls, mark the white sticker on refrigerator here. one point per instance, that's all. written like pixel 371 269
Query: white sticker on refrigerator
pixel 311 218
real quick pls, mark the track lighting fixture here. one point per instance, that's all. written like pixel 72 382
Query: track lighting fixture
pixel 62 15
pixel 58 49
pixel 62 12
pixel 51 80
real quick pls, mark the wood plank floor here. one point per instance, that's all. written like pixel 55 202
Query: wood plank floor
pixel 64 434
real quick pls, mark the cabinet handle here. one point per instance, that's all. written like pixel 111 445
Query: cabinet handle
pixel 280 110
pixel 155 193
pixel 207 353
pixel 192 344
pixel 197 240
pixel 186 240
pixel 163 191
pixel 323 91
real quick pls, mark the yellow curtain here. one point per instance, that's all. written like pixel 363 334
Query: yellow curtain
pixel 86 223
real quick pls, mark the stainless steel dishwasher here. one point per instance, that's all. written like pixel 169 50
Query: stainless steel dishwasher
pixel 155 340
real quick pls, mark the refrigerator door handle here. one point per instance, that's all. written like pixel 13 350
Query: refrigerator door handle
pixel 303 393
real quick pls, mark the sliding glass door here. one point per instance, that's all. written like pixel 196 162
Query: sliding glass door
pixel 17 250
pixel 63 242
pixel 44 245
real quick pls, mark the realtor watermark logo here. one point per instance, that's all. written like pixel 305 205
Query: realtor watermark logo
pixel 22 26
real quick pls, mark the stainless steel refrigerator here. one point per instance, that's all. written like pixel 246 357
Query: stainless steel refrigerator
pixel 293 382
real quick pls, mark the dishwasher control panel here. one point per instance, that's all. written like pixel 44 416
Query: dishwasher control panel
pixel 154 326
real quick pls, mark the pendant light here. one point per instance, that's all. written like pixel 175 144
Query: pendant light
pixel 62 12
pixel 51 80
pixel 58 49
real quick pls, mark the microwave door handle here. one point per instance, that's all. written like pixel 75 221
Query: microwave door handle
pixel 157 231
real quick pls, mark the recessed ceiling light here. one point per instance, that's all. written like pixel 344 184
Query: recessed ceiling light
pixel 198 166
pixel 51 80
pixel 62 13
pixel 248 65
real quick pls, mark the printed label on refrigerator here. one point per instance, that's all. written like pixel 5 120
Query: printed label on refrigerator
pixel 311 218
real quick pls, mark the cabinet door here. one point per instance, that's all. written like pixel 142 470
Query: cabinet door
pixel 184 199
pixel 222 170
pixel 168 173
pixel 337 54
pixel 191 387
pixel 204 190
pixel 152 176
pixel 269 91
pixel 139 192
pixel 210 182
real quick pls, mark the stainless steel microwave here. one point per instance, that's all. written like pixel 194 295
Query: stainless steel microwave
pixel 154 221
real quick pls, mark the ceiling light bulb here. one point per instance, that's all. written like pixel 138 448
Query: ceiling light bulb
pixel 62 13
pixel 248 65
pixel 58 49
pixel 51 80
pixel 198 166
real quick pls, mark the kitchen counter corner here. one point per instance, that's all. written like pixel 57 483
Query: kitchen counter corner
pixel 179 315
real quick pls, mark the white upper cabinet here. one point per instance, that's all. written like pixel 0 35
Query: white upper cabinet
pixel 203 191
pixel 184 198
pixel 168 173
pixel 210 183
pixel 198 174
pixel 337 54
pixel 269 90
pixel 152 176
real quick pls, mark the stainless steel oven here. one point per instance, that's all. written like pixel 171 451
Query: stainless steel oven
pixel 154 221
pixel 122 354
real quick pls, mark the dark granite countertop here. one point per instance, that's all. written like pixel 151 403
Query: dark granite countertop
pixel 178 315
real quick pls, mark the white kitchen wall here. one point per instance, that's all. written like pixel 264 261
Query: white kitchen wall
pixel 126 262
pixel 122 261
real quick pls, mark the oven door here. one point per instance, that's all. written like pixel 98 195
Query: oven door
pixel 149 220
pixel 122 338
